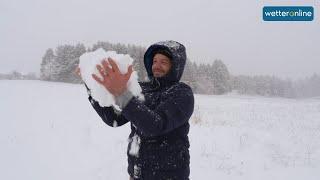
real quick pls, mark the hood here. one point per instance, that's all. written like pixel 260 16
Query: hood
pixel 178 52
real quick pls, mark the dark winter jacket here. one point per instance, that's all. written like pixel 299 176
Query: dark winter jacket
pixel 160 122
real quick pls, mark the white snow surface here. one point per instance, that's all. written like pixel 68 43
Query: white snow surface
pixel 88 62
pixel 50 131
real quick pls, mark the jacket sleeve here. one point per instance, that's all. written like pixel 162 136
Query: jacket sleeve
pixel 169 115
pixel 107 114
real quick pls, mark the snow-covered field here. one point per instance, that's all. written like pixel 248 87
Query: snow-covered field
pixel 50 131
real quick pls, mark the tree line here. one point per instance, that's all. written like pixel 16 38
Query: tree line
pixel 59 64
pixel 15 75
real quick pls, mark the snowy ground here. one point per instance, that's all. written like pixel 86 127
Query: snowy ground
pixel 50 131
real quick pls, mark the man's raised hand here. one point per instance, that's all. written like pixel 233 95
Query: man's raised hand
pixel 112 79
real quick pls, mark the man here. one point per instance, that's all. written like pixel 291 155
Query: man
pixel 158 143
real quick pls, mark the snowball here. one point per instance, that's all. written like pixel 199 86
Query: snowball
pixel 88 62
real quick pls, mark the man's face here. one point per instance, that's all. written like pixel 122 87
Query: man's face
pixel 161 65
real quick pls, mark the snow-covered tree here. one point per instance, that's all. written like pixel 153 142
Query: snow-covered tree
pixel 137 53
pixel 188 75
pixel 104 45
pixel 47 65
pixel 66 60
pixel 221 77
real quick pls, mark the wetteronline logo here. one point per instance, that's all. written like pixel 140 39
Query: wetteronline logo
pixel 288 13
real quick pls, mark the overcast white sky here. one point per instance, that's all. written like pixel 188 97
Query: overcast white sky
pixel 232 31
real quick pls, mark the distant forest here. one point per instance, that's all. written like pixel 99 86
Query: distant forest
pixel 59 64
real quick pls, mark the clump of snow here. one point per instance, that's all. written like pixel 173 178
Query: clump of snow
pixel 115 124
pixel 171 44
pixel 136 171
pixel 135 146
pixel 88 62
